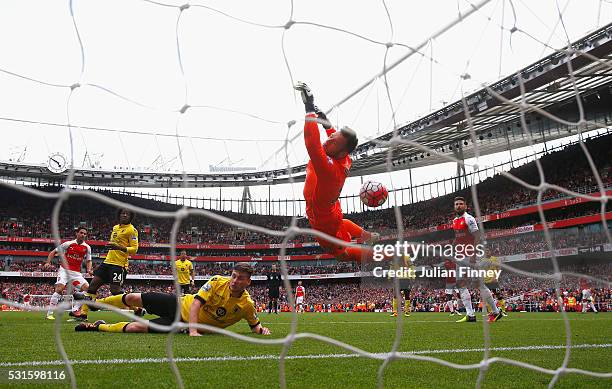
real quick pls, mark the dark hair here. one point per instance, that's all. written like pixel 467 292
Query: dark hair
pixel 81 228
pixel 243 267
pixel 132 214
pixel 351 138
pixel 460 198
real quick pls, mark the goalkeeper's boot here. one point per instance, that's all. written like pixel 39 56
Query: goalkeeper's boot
pixel 50 317
pixel 407 314
pixel 139 311
pixel 466 318
pixel 89 326
pixel 394 314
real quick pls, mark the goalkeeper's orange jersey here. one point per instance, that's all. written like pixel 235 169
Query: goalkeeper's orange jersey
pixel 325 178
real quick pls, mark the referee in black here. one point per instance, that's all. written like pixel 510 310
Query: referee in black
pixel 274 282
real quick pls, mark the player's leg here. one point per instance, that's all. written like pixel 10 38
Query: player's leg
pixel 502 306
pixel 83 287
pixel 80 285
pixel 55 297
pixel 407 301
pixel 450 303
pixel 185 289
pixel 101 276
pixel 487 297
pixel 466 298
pixel 123 300
pixel 394 306
pixel 160 304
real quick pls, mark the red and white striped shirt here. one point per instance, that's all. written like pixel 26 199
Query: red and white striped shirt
pixel 75 254
pixel 299 291
pixel 465 227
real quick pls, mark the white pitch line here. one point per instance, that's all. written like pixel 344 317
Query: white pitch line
pixel 276 357
pixel 407 320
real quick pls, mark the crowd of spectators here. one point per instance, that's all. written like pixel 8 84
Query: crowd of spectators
pixel 504 246
pixel 520 292
pixel 20 213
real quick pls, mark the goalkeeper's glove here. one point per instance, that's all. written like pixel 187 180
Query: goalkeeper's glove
pixel 325 123
pixel 307 96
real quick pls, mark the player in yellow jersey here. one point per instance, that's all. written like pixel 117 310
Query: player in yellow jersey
pixel 491 262
pixel 404 282
pixel 184 268
pixel 122 244
pixel 221 302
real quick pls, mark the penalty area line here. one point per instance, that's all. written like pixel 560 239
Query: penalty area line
pixel 275 357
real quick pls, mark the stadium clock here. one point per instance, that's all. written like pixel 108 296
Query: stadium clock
pixel 57 163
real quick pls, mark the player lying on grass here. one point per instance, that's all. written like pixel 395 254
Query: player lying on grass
pixel 326 172
pixel 221 302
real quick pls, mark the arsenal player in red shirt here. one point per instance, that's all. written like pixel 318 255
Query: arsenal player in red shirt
pixel 467 236
pixel 326 172
pixel 75 252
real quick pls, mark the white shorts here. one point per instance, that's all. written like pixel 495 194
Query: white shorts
pixel 451 290
pixel 74 277
pixel 299 300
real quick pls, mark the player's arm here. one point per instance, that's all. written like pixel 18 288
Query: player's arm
pixel 132 246
pixel 196 305
pixel 472 226
pixel 88 262
pixel 50 257
pixel 55 252
pixel 198 301
pixel 191 273
pixel 253 320
pixel 312 138
pixel 329 129
pixel 261 330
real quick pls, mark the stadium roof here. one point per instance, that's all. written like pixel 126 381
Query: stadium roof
pixel 548 83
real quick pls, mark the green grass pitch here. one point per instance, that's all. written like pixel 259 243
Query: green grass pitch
pixel 29 337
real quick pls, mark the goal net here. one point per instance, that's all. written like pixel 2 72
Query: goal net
pixel 374 66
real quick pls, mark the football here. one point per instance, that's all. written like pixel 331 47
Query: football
pixel 373 194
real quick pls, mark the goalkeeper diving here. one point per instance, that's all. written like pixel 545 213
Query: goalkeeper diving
pixel 326 172
pixel 221 302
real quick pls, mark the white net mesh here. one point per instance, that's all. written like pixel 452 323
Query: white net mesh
pixel 182 98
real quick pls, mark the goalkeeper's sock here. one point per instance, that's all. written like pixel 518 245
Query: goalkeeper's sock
pixel 85 307
pixel 487 296
pixel 115 301
pixel 115 327
pixel 467 301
